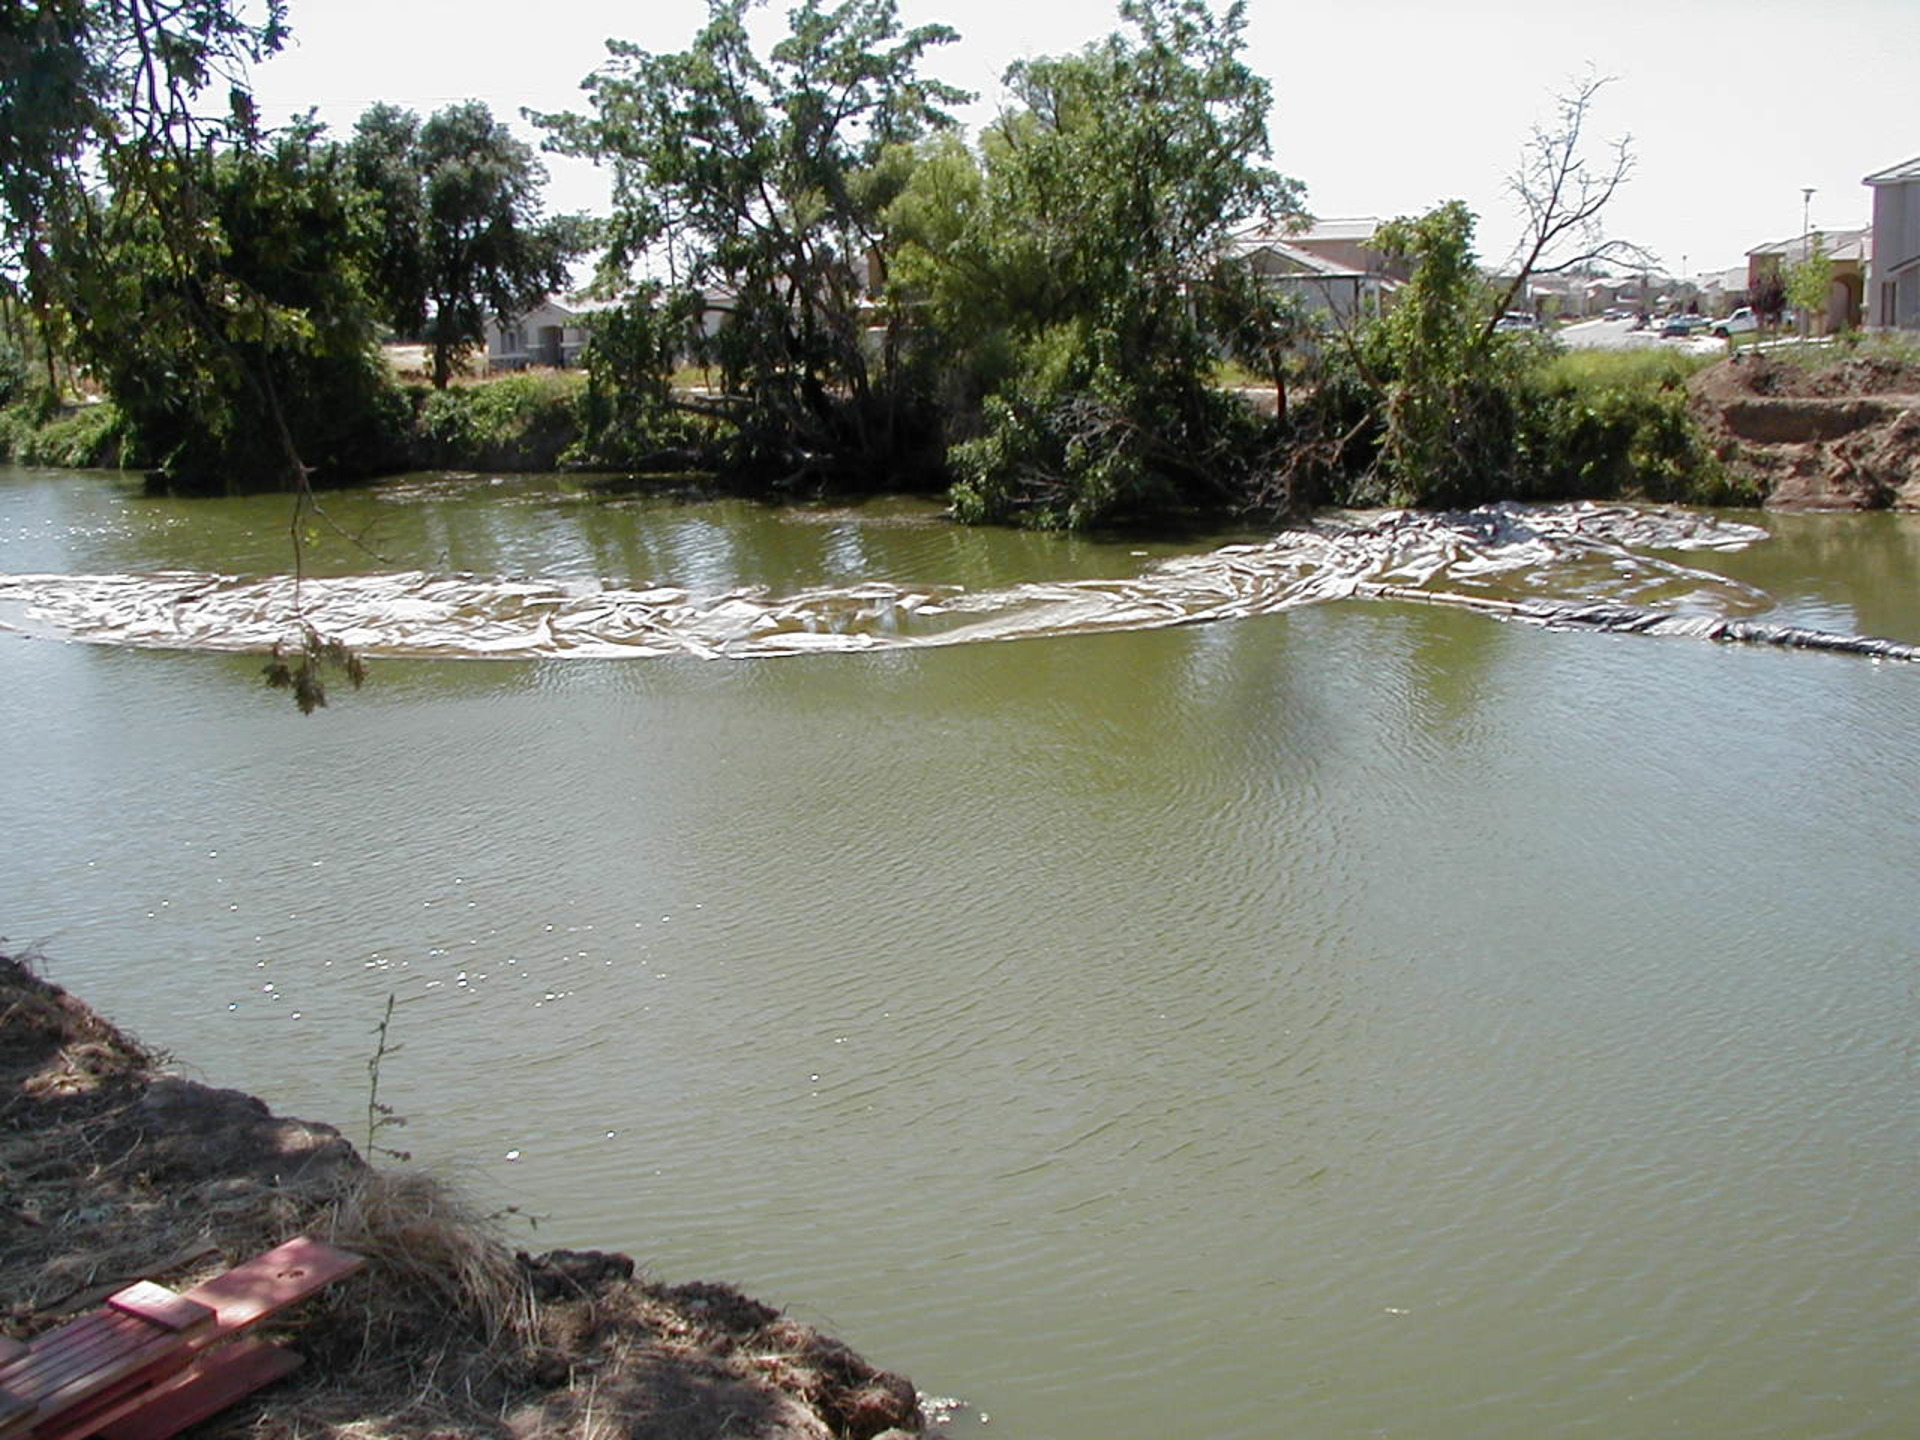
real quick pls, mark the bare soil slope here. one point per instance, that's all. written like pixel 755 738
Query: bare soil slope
pixel 112 1171
pixel 1844 437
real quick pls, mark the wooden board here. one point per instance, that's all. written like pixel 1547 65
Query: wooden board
pixel 148 1347
pixel 103 1344
pixel 73 1375
pixel 269 1283
pixel 158 1305
pixel 225 1376
pixel 15 1413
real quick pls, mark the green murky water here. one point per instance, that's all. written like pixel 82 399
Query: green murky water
pixel 1366 1019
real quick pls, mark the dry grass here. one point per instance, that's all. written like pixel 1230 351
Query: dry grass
pixel 112 1172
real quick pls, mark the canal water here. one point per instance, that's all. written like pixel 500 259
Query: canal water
pixel 1352 1019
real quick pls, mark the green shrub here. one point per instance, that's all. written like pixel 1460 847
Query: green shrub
pixel 1610 424
pixel 523 421
pixel 76 437
pixel 1078 437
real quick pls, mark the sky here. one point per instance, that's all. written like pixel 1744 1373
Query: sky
pixel 1381 107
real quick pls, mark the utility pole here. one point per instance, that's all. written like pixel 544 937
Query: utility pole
pixel 1806 204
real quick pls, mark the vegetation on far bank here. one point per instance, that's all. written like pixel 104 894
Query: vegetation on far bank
pixel 1036 322
pixel 1594 424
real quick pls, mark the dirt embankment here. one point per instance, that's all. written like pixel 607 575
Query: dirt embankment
pixel 1842 437
pixel 112 1171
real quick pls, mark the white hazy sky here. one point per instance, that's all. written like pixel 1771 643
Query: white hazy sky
pixel 1382 107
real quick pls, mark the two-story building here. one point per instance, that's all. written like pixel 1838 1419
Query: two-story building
pixel 1893 281
pixel 1847 252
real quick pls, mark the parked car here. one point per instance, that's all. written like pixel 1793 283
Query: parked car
pixel 1741 322
pixel 1516 320
pixel 1683 325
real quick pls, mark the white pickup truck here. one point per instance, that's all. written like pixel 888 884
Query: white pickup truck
pixel 1741 322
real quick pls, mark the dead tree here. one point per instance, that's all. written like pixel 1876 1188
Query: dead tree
pixel 1562 196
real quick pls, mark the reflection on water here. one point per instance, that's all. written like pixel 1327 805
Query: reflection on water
pixel 1355 1020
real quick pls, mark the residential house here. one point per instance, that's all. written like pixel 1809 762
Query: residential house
pixel 1323 288
pixel 1894 279
pixel 1561 296
pixel 1331 266
pixel 552 333
pixel 1849 252
pixel 1347 243
pixel 1723 291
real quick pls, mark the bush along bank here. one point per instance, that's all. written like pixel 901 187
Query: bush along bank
pixel 74 437
pixel 520 422
pixel 113 1171
pixel 1591 425
pixel 515 423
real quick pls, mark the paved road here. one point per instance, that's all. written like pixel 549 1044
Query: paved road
pixel 1620 335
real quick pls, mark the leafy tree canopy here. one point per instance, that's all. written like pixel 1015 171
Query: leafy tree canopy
pixel 462 236
pixel 111 91
pixel 1807 281
pixel 1109 196
pixel 757 181
pixel 255 359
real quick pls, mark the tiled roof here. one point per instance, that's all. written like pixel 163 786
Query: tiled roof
pixel 1355 228
pixel 1840 245
pixel 1302 260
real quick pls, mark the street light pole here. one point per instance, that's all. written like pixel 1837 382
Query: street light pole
pixel 1806 246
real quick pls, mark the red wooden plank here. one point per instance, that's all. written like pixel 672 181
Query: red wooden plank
pixel 116 1367
pixel 70 1333
pixel 112 1363
pixel 269 1283
pixel 95 1406
pixel 73 1349
pixel 14 1413
pixel 58 1364
pixel 222 1377
pixel 158 1305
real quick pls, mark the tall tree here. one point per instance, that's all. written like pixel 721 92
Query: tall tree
pixel 1446 384
pixel 223 362
pixel 1111 189
pixel 109 148
pixel 760 177
pixel 383 159
pixel 1808 282
pixel 463 230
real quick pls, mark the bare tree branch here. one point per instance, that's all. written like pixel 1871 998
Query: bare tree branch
pixel 1563 195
